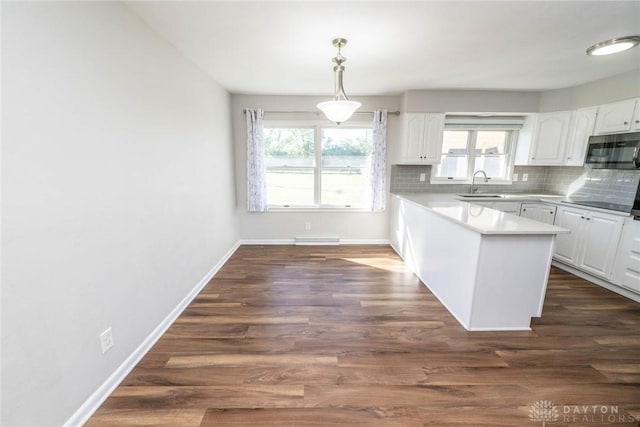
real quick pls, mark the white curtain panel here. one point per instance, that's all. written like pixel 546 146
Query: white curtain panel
pixel 377 172
pixel 256 171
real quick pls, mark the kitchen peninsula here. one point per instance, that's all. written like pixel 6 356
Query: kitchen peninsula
pixel 487 267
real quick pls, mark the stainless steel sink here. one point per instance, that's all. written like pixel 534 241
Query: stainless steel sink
pixel 481 195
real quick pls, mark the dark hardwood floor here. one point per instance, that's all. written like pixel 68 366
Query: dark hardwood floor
pixel 346 335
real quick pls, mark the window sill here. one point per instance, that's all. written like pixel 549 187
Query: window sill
pixel 317 209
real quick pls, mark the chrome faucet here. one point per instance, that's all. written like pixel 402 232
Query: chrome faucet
pixel 473 189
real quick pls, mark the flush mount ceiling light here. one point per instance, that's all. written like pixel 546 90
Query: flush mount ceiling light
pixel 340 108
pixel 613 46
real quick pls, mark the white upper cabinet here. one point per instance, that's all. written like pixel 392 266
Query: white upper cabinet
pixel 422 138
pixel 582 127
pixel 543 140
pixel 636 117
pixel 618 117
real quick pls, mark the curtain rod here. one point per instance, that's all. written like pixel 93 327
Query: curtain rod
pixel 395 113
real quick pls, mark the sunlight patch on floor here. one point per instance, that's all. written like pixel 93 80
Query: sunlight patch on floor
pixel 393 265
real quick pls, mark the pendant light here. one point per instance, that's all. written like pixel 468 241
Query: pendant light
pixel 340 108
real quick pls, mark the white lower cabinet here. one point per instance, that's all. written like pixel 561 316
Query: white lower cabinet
pixel 539 212
pixel 592 244
pixel 508 207
pixel 627 265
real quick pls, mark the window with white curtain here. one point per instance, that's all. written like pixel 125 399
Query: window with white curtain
pixel 317 166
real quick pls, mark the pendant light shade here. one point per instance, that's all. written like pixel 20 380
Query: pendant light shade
pixel 339 111
pixel 340 108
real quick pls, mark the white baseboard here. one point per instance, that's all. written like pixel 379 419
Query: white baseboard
pixel 268 242
pixel 364 242
pixel 293 242
pixel 94 401
pixel 596 280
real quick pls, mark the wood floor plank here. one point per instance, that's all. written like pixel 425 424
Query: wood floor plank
pixel 347 335
pixel 316 417
pixel 190 397
pixel 251 359
pixel 147 417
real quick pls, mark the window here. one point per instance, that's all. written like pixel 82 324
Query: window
pixel 317 166
pixel 465 151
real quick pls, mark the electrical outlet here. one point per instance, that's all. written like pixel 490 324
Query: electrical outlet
pixel 423 176
pixel 106 340
pixel 515 177
pixel 525 176
pixel 307 226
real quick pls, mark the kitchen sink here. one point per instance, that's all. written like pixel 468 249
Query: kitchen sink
pixel 482 195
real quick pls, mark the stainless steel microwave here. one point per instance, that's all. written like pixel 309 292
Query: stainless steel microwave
pixel 617 151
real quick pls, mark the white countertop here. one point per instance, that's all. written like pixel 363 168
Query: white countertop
pixel 568 202
pixel 479 218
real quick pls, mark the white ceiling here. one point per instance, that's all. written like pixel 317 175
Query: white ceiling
pixel 285 47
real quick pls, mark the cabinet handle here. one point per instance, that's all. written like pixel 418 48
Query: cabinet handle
pixel 569 158
pixel 626 123
pixel 581 217
pixel 588 219
pixel 637 121
pixel 524 210
pixel 550 212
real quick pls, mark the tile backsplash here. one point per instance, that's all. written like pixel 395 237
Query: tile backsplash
pixel 610 185
pixel 406 179
pixel 615 186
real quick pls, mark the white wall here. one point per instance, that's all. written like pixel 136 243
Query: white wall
pixel 450 101
pixel 118 195
pixel 616 88
pixel 287 225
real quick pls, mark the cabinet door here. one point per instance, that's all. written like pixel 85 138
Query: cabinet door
pixel 432 144
pixel 550 138
pixel 615 117
pixel 531 211
pixel 567 245
pixel 413 137
pixel 636 116
pixel 600 241
pixel 582 127
pixel 539 212
pixel 548 214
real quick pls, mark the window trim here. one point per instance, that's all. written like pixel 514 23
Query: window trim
pixel 471 156
pixel 317 126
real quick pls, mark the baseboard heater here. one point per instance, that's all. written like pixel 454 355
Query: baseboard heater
pixel 317 240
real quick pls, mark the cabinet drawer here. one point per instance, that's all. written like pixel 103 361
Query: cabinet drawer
pixel 632 280
pixel 633 262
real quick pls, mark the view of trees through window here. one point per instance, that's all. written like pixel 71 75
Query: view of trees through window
pixel 466 151
pixel 317 166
